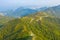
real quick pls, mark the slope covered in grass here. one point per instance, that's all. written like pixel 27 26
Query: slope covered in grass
pixel 4 19
pixel 38 26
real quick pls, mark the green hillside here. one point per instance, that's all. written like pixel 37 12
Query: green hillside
pixel 38 26
pixel 4 19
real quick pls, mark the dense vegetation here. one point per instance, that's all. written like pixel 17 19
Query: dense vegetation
pixel 4 19
pixel 38 26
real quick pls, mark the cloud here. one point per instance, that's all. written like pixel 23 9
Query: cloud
pixel 28 3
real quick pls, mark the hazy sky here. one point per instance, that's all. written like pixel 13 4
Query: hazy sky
pixel 6 4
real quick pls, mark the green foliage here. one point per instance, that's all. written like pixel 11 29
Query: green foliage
pixel 31 28
pixel 4 19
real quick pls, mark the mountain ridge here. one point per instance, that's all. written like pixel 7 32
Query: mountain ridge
pixel 32 27
pixel 21 11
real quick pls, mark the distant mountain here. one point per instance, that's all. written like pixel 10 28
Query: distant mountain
pixel 37 26
pixel 22 11
pixel 53 11
pixel 41 9
pixel 6 13
pixel 19 12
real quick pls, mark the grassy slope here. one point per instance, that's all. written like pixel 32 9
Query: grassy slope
pixel 34 27
pixel 4 19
